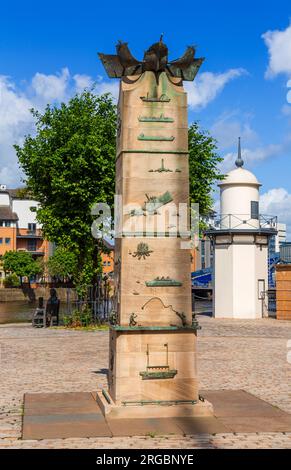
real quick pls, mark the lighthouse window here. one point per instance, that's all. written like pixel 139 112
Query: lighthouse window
pixel 254 210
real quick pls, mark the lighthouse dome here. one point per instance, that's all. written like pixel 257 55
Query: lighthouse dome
pixel 240 176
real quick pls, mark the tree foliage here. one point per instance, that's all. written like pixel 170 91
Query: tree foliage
pixel 62 264
pixel 12 280
pixel 21 263
pixel 203 167
pixel 70 165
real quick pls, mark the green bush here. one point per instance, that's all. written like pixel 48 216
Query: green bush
pixel 79 318
pixel 12 280
pixel 67 320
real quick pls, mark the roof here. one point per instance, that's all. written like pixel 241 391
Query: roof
pixel 19 193
pixel 240 176
pixel 7 214
pixel 12 192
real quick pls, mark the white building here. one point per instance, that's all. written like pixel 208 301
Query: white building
pixel 280 237
pixel 240 247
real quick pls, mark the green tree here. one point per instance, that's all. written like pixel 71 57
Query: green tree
pixel 62 264
pixel 203 167
pixel 70 165
pixel 22 264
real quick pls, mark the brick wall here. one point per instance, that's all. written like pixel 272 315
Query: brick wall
pixel 17 294
pixel 283 291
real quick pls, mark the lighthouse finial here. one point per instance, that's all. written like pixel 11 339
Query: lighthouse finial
pixel 239 161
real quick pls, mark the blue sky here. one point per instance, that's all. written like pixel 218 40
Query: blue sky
pixel 48 51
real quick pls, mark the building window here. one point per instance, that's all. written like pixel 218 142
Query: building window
pixel 31 245
pixel 7 223
pixel 1 241
pixel 254 210
pixel 32 227
pixel 7 241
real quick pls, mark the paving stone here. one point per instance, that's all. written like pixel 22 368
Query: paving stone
pixel 248 355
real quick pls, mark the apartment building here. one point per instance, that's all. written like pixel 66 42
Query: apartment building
pixel 19 229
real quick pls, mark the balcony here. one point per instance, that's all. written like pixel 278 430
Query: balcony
pixel 238 222
pixel 29 234
pixel 32 252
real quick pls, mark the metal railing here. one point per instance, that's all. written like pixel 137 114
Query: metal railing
pixel 235 221
pixel 98 300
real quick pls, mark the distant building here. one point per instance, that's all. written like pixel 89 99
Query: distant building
pixel 276 240
pixel 280 237
pixel 107 262
pixel 285 252
pixel 202 256
pixel 19 229
pixel 274 252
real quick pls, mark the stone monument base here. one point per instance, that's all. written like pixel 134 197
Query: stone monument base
pixel 146 409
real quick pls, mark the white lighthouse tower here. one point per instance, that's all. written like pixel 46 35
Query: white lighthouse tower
pixel 240 247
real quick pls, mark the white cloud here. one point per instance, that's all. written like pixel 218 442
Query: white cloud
pixel 16 120
pixel 208 85
pixel 14 109
pixel 82 82
pixel 252 156
pixel 279 49
pixel 112 87
pixel 277 201
pixel 286 110
pixel 51 87
pixel 231 125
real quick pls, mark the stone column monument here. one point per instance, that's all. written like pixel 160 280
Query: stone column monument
pixel 153 358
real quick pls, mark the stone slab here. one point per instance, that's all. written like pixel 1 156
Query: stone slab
pixel 202 425
pixel 240 404
pixel 143 427
pixel 62 410
pixel 65 426
pixel 257 424
pixel 77 415
pixel 61 400
pixel 61 415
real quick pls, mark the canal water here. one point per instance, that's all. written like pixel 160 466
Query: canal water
pixel 16 312
pixel 21 312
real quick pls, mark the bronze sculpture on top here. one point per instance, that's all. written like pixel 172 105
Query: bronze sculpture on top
pixel 155 60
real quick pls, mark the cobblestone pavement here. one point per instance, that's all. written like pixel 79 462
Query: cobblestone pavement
pixel 233 354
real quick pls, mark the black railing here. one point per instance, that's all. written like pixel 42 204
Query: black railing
pixel 98 300
pixel 236 221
